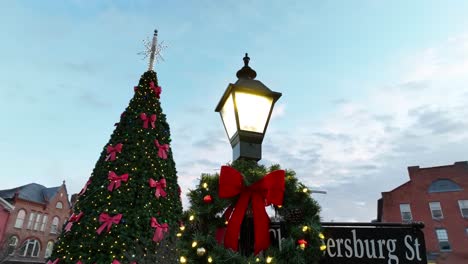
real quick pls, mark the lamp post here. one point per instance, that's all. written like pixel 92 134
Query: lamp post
pixel 245 110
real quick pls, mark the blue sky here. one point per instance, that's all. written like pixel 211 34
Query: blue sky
pixel 369 87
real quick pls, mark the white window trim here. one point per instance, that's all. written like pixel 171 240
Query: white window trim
pixel 32 220
pixel 463 204
pixel 12 245
pixel 409 211
pixel 439 240
pixel 38 221
pixel 19 222
pixel 34 243
pixel 49 249
pixel 432 209
pixel 54 226
pixel 44 222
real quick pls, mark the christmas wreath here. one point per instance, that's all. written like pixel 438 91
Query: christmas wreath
pixel 226 221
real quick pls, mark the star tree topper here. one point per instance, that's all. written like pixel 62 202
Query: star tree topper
pixel 153 50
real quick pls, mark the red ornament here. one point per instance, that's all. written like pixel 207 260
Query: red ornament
pixel 302 243
pixel 207 199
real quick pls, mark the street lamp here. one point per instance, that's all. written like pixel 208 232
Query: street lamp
pixel 245 109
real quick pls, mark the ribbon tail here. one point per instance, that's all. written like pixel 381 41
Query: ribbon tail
pixel 110 187
pixel 261 224
pixel 101 228
pixel 68 226
pixel 231 238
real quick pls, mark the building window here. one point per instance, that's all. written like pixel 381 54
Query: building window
pixel 436 210
pixel 54 226
pixel 30 248
pixel 44 223
pixel 32 217
pixel 49 248
pixel 59 205
pixel 20 218
pixel 442 237
pixel 463 207
pixel 444 185
pixel 405 211
pixel 12 243
pixel 37 224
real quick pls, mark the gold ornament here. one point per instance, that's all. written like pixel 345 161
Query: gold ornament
pixel 201 251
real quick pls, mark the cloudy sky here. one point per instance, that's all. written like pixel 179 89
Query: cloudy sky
pixel 369 87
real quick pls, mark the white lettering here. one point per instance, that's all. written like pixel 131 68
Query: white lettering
pixel 368 250
pixel 416 243
pixel 409 247
pixel 349 249
pixel 330 245
pixel 381 243
pixel 338 247
pixel 361 246
pixel 391 246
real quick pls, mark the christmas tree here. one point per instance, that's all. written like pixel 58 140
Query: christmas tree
pixel 129 210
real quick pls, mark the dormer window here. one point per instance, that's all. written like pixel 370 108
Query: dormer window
pixel 59 205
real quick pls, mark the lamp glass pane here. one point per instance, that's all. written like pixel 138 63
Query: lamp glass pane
pixel 229 117
pixel 253 111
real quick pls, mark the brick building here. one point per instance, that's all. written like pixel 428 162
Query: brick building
pixel 31 219
pixel 437 196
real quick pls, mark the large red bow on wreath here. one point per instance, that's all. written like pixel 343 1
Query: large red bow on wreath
pixel 115 180
pixel 108 221
pixel 160 229
pixel 146 120
pixel 74 218
pixel 268 190
pixel 112 151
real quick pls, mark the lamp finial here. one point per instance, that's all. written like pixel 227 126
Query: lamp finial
pixel 246 72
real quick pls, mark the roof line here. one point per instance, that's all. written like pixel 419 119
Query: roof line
pixel 8 206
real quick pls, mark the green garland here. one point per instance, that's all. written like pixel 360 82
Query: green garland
pixel 197 243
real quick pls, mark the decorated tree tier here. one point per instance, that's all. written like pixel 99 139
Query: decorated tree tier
pixel 130 208
pixel 212 232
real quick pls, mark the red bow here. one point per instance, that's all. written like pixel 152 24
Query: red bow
pixel 160 186
pixel 115 180
pixel 268 190
pixel 157 89
pixel 115 261
pixel 53 262
pixel 85 188
pixel 221 230
pixel 151 118
pixel 108 221
pixel 160 229
pixel 79 262
pixel 74 218
pixel 162 149
pixel 112 151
